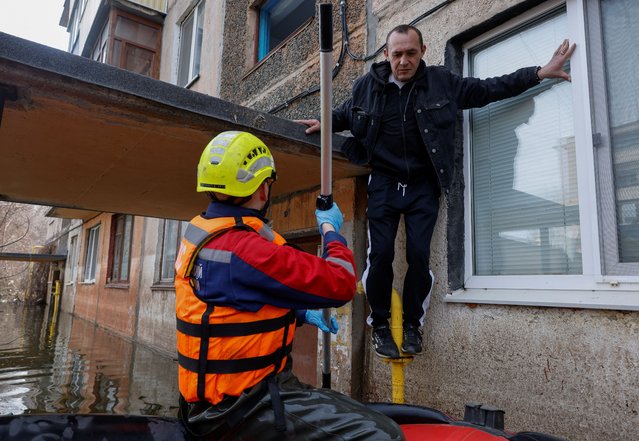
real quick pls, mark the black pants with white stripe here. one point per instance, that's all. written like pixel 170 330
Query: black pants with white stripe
pixel 388 199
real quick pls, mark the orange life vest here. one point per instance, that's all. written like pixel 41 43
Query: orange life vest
pixel 223 351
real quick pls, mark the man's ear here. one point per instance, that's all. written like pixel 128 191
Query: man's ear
pixel 264 189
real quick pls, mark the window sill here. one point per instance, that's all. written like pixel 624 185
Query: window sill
pixel 588 299
pixel 163 286
pixel 192 82
pixel 117 285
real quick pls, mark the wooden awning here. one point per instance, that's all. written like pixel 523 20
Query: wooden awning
pixel 77 134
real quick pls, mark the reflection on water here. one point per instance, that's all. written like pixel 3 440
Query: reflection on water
pixel 68 365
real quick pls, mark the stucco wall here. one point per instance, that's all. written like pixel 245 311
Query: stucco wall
pixel 290 70
pixel 156 310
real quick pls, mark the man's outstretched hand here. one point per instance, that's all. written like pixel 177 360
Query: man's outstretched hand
pixel 555 67
pixel 313 125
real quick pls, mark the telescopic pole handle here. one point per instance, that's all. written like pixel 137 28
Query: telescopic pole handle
pixel 326 27
pixel 324 202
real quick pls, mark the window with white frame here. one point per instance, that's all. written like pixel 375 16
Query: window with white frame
pixel 78 11
pixel 552 195
pixel 279 19
pixel 72 259
pixel 612 24
pixel 91 257
pixel 120 250
pixel 75 28
pixel 191 32
pixel 99 52
pixel 525 205
pixel 172 232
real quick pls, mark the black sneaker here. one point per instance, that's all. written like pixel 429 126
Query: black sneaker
pixel 412 343
pixel 383 342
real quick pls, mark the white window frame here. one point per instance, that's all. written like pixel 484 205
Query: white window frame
pixel 72 260
pixel 192 76
pixel 592 289
pixel 601 128
pixel 181 228
pixel 75 32
pixel 92 254
pixel 100 48
pixel 78 11
pixel 121 246
pixel 83 7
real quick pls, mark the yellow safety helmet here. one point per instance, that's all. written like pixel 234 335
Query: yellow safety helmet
pixel 235 164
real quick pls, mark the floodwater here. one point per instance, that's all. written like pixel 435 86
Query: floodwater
pixel 63 364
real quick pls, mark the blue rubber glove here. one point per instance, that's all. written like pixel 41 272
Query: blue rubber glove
pixel 331 216
pixel 315 318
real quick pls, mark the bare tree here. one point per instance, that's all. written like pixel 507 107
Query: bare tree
pixel 22 230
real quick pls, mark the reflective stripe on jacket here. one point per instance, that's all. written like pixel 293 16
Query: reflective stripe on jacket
pixel 223 351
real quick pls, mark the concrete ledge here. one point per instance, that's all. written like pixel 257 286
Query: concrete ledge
pixel 616 300
pixel 27 257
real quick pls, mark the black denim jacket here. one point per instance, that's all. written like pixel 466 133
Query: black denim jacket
pixel 439 95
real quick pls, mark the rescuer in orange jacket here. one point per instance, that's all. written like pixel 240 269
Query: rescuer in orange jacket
pixel 241 293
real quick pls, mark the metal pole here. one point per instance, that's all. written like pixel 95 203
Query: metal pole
pixel 325 199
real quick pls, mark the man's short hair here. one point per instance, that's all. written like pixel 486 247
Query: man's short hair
pixel 404 29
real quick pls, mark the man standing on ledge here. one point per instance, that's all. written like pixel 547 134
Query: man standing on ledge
pixel 402 116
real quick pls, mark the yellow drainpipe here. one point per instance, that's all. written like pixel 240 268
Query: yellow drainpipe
pixel 397 329
pixel 398 364
pixel 56 301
